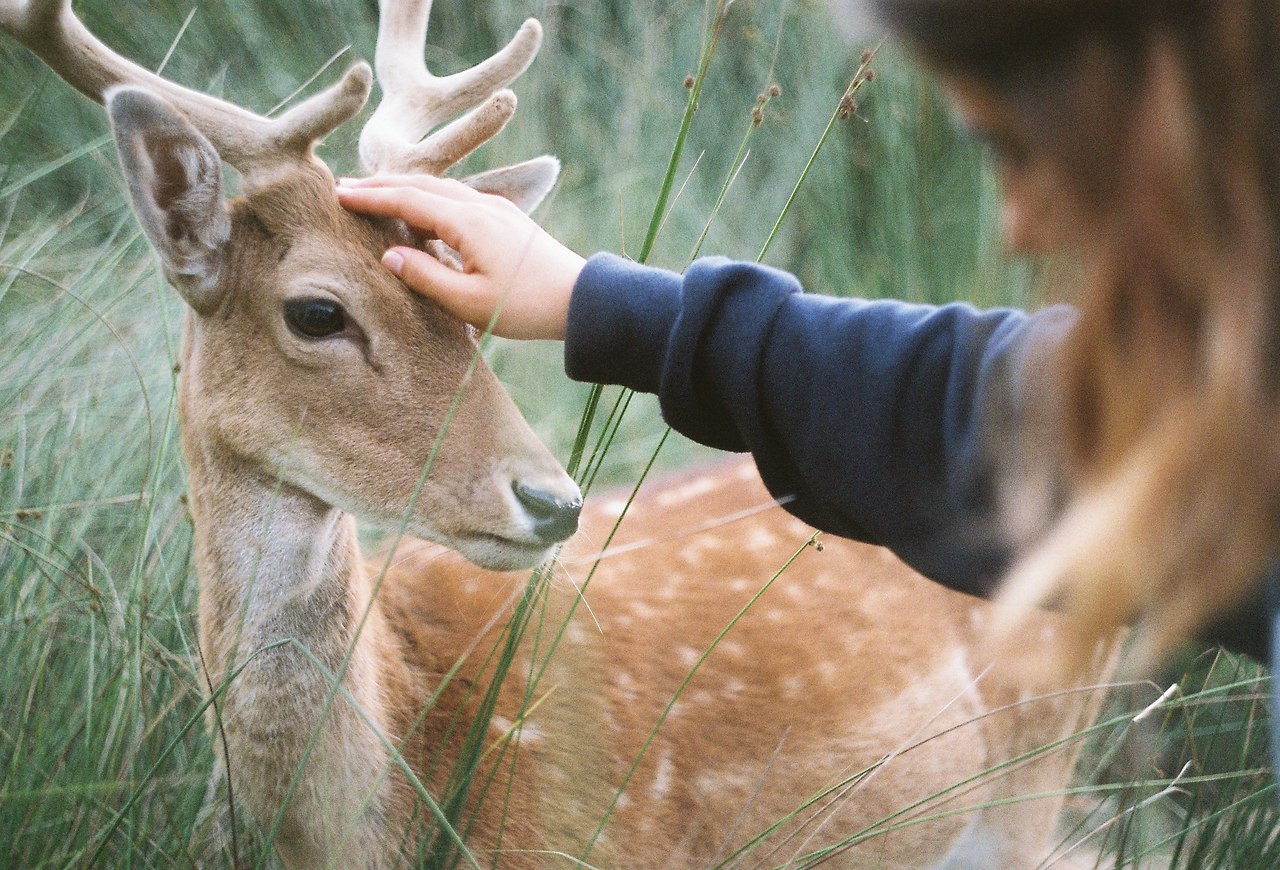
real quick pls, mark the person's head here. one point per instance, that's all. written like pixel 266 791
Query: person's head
pixel 1142 138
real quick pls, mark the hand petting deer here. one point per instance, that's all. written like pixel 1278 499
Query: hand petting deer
pixel 844 717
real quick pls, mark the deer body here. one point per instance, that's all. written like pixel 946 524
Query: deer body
pixel 850 664
pixel 315 389
pixel 849 661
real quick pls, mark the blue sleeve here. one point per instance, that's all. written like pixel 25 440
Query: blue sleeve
pixel 883 421
pixel 879 420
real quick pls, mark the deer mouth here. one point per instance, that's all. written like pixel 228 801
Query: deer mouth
pixel 502 553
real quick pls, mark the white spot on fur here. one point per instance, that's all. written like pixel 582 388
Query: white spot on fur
pixel 643 610
pixel 719 783
pixel 828 670
pixel 626 686
pixel 663 777
pixel 613 507
pixel 732 648
pixel 741 584
pixel 501 724
pixel 761 539
pixel 733 686
pixel 798 527
pixel 688 656
pixel 691 557
pixel 854 645
pixel 794 686
pixel 691 490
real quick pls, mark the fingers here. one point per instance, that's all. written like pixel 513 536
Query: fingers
pixel 446 187
pixel 422 210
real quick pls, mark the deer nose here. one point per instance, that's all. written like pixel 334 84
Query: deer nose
pixel 553 518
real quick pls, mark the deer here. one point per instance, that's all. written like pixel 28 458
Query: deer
pixel 847 715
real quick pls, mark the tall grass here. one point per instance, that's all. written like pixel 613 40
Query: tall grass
pixel 103 753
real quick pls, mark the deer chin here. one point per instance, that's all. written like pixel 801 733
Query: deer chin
pixel 492 551
pixel 497 553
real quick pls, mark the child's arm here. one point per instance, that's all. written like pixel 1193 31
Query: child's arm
pixel 883 421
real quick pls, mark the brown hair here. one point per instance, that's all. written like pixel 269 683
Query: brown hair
pixel 1164 115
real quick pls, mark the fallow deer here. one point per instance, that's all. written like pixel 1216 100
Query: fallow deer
pixel 844 711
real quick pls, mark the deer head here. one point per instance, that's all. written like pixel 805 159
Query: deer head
pixel 305 362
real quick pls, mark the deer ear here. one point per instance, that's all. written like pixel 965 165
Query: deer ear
pixel 174 177
pixel 525 183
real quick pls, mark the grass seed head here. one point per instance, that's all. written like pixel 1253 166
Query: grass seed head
pixel 757 116
pixel 688 82
pixel 848 107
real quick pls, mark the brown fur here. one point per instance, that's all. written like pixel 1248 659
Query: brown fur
pixel 849 660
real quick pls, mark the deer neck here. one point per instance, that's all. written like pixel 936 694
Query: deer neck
pixel 283 594
pixel 274 564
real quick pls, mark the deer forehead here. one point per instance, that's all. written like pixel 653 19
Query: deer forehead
pixel 297 227
pixel 295 240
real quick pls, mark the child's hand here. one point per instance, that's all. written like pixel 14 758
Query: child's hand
pixel 511 265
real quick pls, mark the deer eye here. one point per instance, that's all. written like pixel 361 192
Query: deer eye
pixel 314 317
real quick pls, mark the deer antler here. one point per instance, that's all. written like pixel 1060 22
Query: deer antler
pixel 414 101
pixel 252 143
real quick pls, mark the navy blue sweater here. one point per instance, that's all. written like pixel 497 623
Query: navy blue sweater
pixel 882 421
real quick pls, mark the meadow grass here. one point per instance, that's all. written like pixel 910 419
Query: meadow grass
pixel 104 755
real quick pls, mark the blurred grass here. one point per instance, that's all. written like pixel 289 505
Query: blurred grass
pixel 97 591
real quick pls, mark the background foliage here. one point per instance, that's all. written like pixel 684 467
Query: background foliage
pixel 102 754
